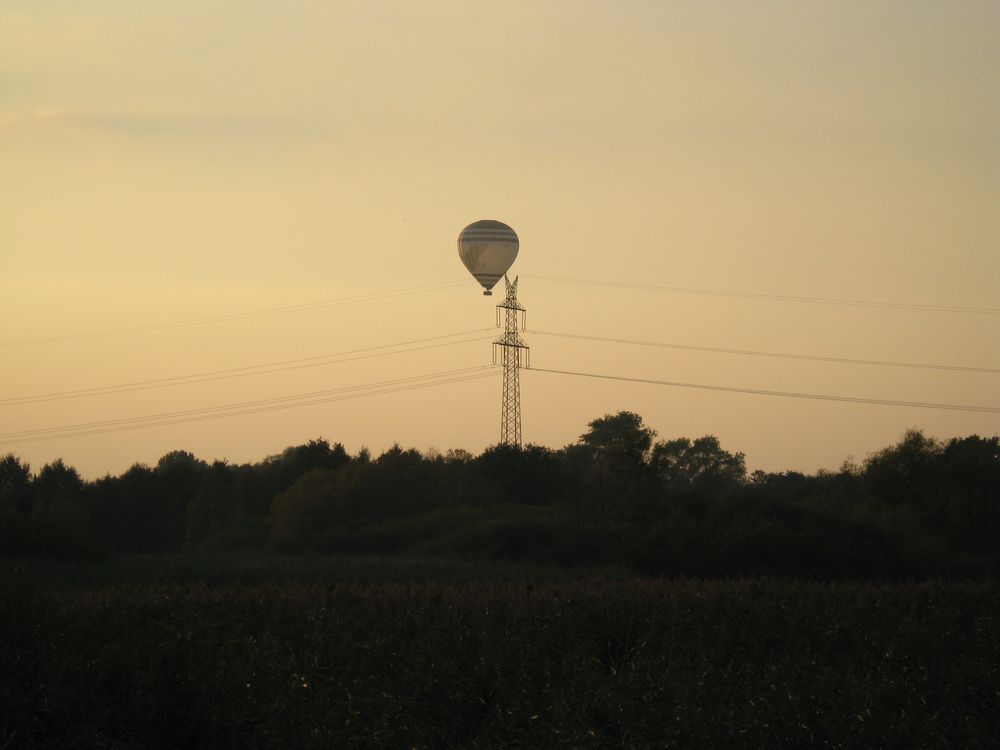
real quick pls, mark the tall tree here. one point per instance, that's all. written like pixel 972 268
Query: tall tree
pixel 15 484
pixel 618 445
pixel 277 473
pixel 527 474
pixel 970 472
pixel 302 513
pixel 905 472
pixel 213 508
pixel 179 474
pixel 684 465
pixel 57 486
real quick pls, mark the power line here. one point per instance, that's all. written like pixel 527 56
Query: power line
pixel 785 394
pixel 249 370
pixel 780 355
pixel 224 415
pixel 250 407
pixel 226 317
pixel 239 404
pixel 772 297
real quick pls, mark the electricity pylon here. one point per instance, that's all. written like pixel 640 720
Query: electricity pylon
pixel 511 345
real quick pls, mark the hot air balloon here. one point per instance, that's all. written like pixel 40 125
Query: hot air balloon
pixel 487 248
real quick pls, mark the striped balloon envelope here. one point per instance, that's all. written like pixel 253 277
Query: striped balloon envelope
pixel 487 248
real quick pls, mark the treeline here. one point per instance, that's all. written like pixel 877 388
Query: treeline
pixel 616 497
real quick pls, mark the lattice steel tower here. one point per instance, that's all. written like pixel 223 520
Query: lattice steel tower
pixel 511 345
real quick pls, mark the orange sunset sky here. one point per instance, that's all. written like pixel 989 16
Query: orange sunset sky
pixel 286 182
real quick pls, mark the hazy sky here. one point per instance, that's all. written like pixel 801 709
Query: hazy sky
pixel 166 161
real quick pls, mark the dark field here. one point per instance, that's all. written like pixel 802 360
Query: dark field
pixel 180 652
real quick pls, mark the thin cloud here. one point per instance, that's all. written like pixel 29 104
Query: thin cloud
pixel 154 124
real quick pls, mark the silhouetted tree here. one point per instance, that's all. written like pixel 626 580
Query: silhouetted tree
pixel 702 466
pixel 213 508
pixel 399 482
pixel 970 475
pixel 257 487
pixel 57 486
pixel 59 523
pixel 578 481
pixel 905 472
pixel 526 474
pixel 179 474
pixel 129 511
pixel 304 512
pixel 15 484
pixel 784 485
pixel 618 445
pixel 457 480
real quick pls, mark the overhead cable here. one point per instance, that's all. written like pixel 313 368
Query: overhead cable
pixel 250 407
pixel 226 317
pixel 780 355
pixel 772 297
pixel 241 404
pixel 261 369
pixel 784 394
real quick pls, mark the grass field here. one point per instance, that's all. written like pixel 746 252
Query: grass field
pixel 354 652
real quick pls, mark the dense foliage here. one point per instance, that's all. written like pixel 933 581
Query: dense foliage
pixel 617 496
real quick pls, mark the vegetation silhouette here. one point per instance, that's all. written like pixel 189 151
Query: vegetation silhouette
pixel 617 496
